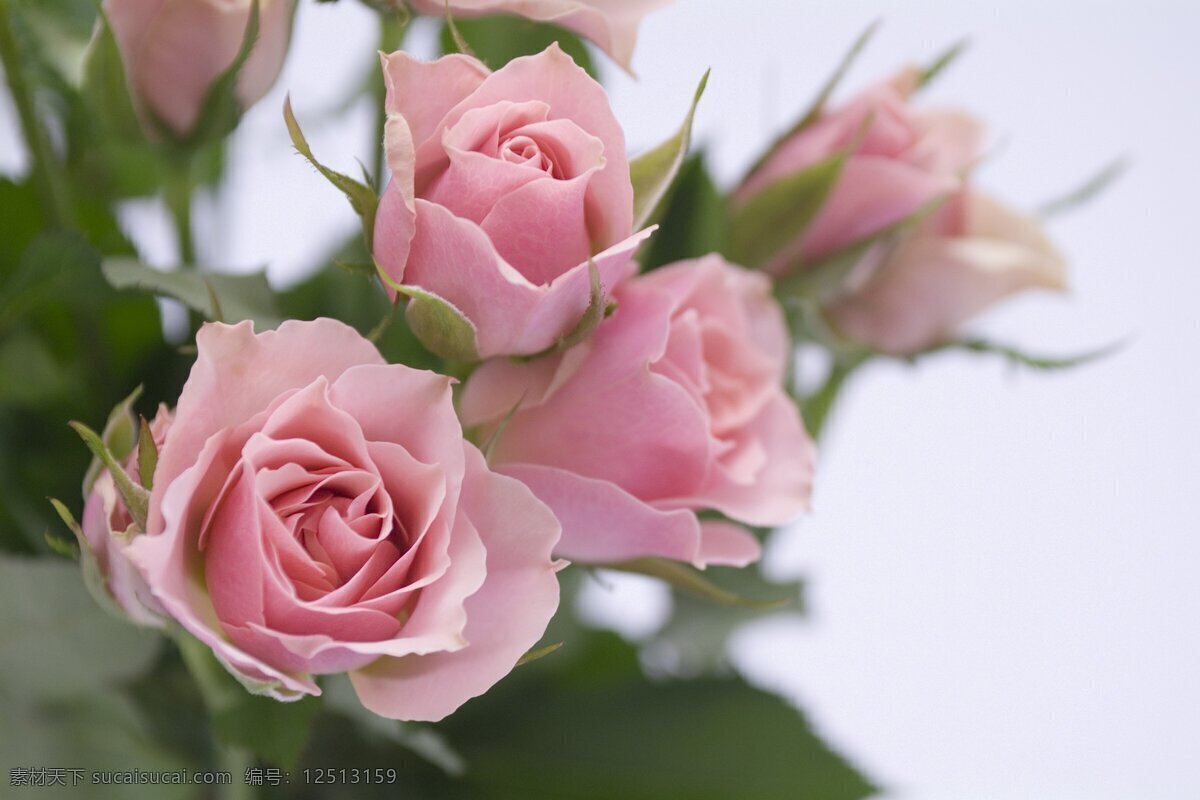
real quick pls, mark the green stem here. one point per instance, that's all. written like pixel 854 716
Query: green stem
pixel 178 194
pixel 45 176
pixel 817 406
pixel 210 678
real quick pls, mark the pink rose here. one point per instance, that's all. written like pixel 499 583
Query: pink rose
pixel 504 185
pixel 675 404
pixel 316 510
pixel 174 51
pixel 903 159
pixel 611 24
pixel 106 525
pixel 971 254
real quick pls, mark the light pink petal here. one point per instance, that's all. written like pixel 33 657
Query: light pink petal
pixel 423 92
pixel 604 524
pixel 553 78
pixel 499 385
pixel 625 423
pixel 395 218
pixel 723 544
pixel 238 373
pixel 541 227
pixel 775 486
pixel 948 140
pixel 933 284
pixel 505 617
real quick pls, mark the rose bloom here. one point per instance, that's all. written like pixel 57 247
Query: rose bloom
pixel 903 160
pixel 971 254
pixel 611 24
pixel 316 510
pixel 503 186
pixel 106 526
pixel 675 404
pixel 174 51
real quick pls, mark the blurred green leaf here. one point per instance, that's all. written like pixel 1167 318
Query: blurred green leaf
pixel 586 724
pixel 496 40
pixel 57 642
pixel 697 582
pixel 930 73
pixel 1092 188
pixel 1021 358
pixel 238 297
pixel 693 221
pixel 654 172
pixel 779 214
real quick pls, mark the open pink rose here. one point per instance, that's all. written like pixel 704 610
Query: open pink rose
pixel 675 404
pixel 106 526
pixel 611 24
pixel 174 51
pixel 971 254
pixel 316 510
pixel 901 160
pixel 504 185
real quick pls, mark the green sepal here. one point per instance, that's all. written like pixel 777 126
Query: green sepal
pixel 538 653
pixel 363 198
pixel 147 455
pixel 220 297
pixel 654 172
pixel 939 64
pixel 436 322
pixel 119 436
pixel 689 579
pixel 817 106
pixel 1092 188
pixel 137 499
pixel 779 214
pixel 1019 357
pixel 105 86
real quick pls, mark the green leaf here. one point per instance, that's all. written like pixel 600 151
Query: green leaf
pixel 939 64
pixel 1089 191
pixel 693 220
pixel 362 197
pixel 592 727
pixel 240 296
pixel 780 214
pixel 495 40
pixel 826 91
pixel 105 90
pixel 1020 358
pixel 538 653
pixel 136 498
pixel 119 436
pixel 654 172
pixel 57 643
pixel 690 579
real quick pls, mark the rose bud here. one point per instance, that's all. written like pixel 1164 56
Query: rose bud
pixel 899 160
pixel 971 254
pixel 175 50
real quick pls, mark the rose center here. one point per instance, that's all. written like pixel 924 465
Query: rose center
pixel 525 150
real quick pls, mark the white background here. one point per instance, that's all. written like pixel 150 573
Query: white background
pixel 1003 566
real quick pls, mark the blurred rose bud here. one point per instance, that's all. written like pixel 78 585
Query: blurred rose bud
pixel 611 24
pixel 106 528
pixel 505 185
pixel 900 159
pixel 674 405
pixel 174 51
pixel 971 254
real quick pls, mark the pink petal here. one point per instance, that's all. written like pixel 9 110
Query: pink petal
pixel 604 524
pixel 724 544
pixel 424 92
pixel 505 617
